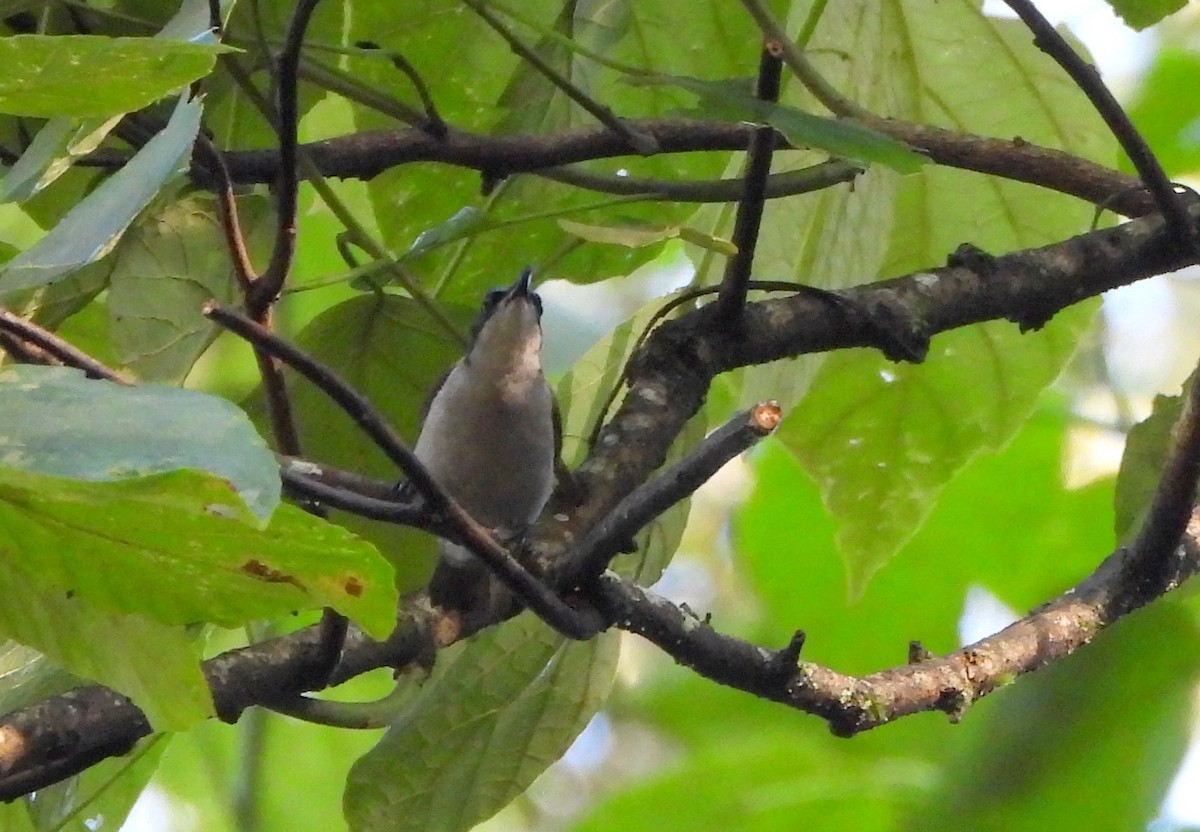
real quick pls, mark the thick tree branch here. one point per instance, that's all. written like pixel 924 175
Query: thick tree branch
pixel 949 683
pixel 368 154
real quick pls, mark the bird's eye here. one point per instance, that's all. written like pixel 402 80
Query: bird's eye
pixel 537 302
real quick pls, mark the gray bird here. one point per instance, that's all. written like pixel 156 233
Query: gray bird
pixel 490 438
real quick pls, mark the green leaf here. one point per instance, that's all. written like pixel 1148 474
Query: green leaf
pixel 181 548
pixel 59 422
pixel 1143 13
pixel 1146 449
pixel 733 101
pixel 883 439
pixel 1006 523
pixel 62 141
pixel 48 76
pixel 54 149
pixel 94 643
pixel 493 716
pixel 93 226
pixel 167 267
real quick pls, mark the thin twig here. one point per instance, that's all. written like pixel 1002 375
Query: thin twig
pixel 227 212
pixel 373 508
pixel 641 142
pixel 788 183
pixel 355 405
pixel 60 349
pixel 1087 78
pixel 732 298
pixel 287 183
pixel 606 538
pixel 433 123
pixel 528 589
pixel 798 63
pixel 338 478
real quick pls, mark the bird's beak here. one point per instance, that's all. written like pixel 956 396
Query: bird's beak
pixel 522 288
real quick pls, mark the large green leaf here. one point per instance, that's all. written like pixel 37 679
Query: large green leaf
pixel 49 76
pixel 166 268
pixel 93 226
pixel 59 422
pixel 493 716
pixel 1007 524
pixel 62 141
pixel 179 548
pixel 881 439
pixel 94 643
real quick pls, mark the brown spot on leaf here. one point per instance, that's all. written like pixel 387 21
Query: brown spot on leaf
pixel 354 587
pixel 258 569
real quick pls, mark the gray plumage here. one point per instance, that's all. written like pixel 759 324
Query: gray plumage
pixel 489 439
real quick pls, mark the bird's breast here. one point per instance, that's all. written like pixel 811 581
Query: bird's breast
pixel 491 447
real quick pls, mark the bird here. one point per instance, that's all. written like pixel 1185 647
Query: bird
pixel 491 438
